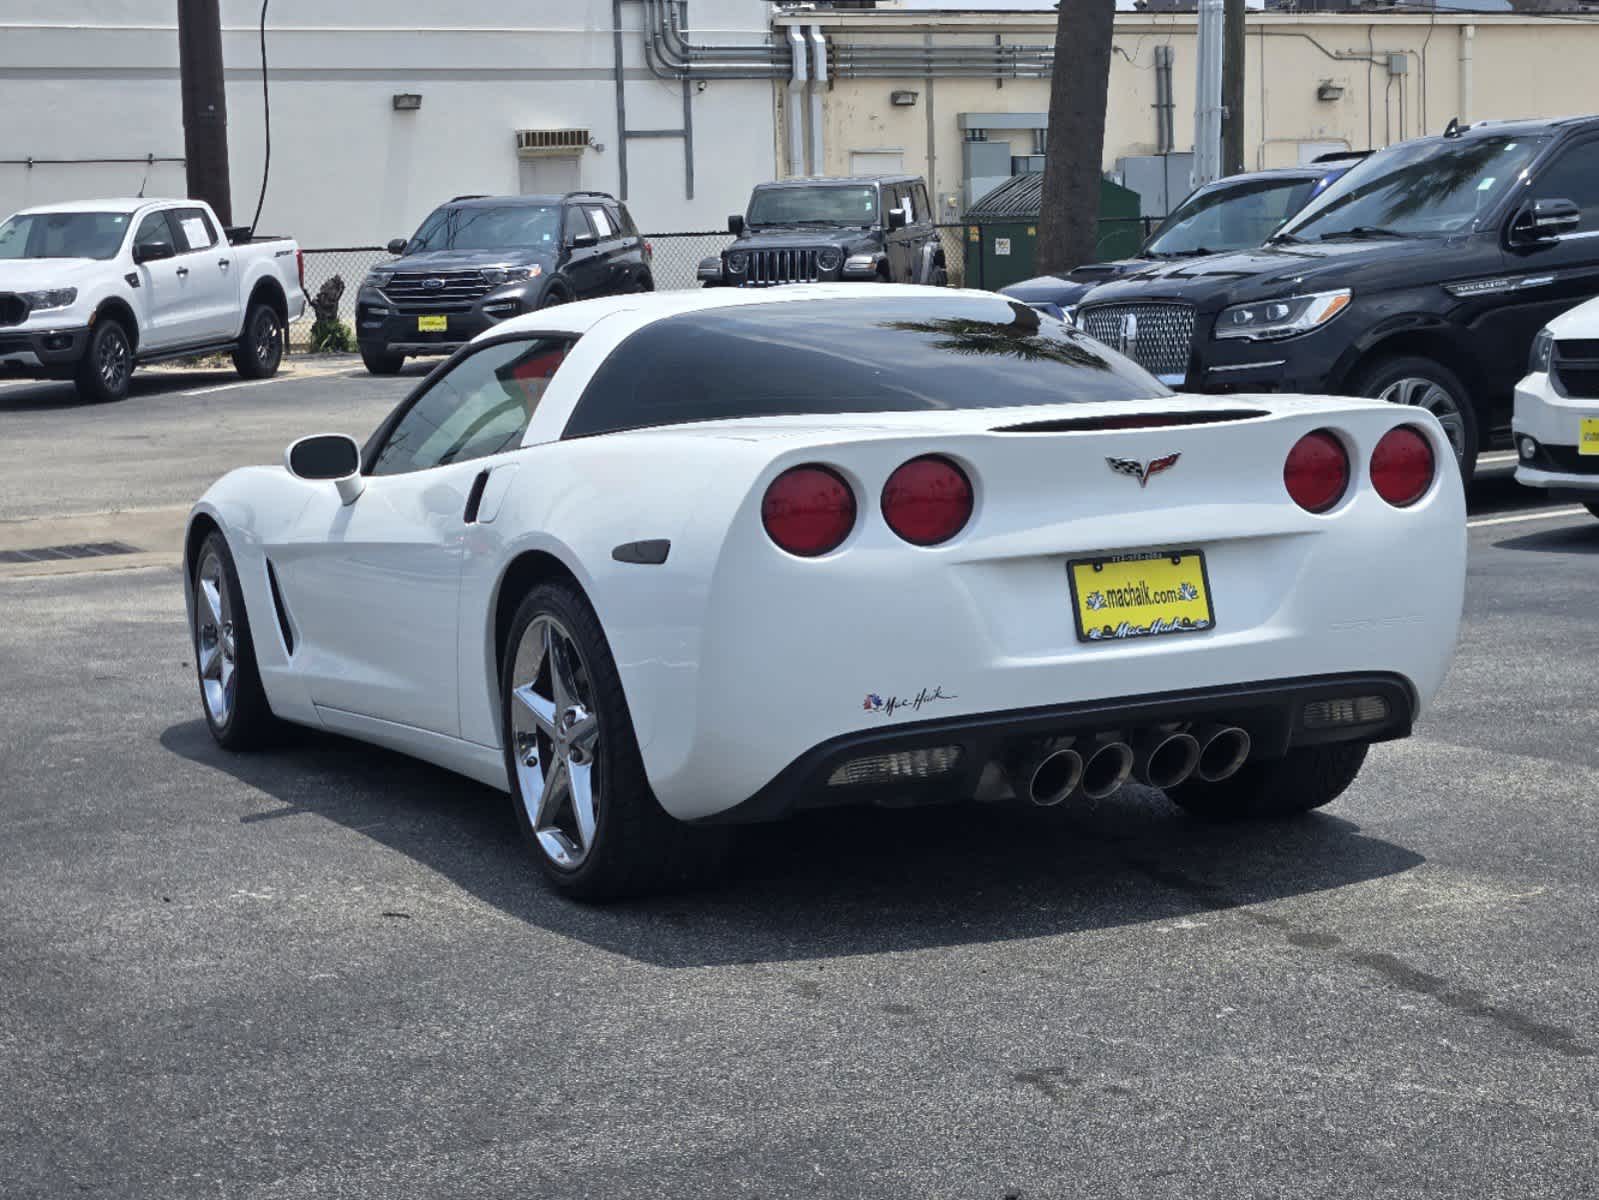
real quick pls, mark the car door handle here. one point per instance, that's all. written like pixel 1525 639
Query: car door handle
pixel 224 263
pixel 183 270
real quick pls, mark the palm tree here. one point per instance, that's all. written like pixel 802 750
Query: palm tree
pixel 1078 93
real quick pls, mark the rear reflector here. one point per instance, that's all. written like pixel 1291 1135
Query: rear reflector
pixel 808 510
pixel 1402 466
pixel 1351 710
pixel 1317 471
pixel 899 767
pixel 928 500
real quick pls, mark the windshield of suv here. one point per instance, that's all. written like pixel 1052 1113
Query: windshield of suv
pixel 63 235
pixel 516 226
pixel 1425 189
pixel 1235 217
pixel 814 206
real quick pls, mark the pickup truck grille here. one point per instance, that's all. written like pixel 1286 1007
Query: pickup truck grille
pixel 1157 336
pixel 455 291
pixel 768 267
pixel 1576 368
pixel 13 309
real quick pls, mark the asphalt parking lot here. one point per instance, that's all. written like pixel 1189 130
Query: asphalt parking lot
pixel 330 971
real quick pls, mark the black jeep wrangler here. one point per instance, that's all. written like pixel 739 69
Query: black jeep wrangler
pixel 480 259
pixel 875 228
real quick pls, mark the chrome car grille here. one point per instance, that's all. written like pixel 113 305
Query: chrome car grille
pixel 768 267
pixel 1157 336
pixel 13 309
pixel 455 291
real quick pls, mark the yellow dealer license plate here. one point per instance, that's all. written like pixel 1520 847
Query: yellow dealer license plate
pixel 432 324
pixel 1126 596
pixel 1588 436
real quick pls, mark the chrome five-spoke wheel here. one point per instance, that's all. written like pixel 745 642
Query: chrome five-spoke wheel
pixel 556 735
pixel 1436 399
pixel 215 639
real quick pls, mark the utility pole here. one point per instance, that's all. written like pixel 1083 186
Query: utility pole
pixel 205 105
pixel 1232 88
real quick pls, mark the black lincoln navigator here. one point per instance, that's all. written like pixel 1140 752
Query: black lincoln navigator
pixel 1420 277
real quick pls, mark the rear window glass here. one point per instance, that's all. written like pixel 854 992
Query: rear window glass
pixel 850 356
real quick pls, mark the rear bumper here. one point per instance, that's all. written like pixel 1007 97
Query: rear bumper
pixel 1272 712
pixel 42 351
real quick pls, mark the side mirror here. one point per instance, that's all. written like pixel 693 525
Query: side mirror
pixel 1545 219
pixel 896 219
pixel 580 240
pixel 147 252
pixel 735 224
pixel 332 456
pixel 396 247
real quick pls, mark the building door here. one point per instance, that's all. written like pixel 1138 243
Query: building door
pixel 554 175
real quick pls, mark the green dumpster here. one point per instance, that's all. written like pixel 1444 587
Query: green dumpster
pixel 1002 229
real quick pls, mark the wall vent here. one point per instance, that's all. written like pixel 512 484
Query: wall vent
pixel 539 143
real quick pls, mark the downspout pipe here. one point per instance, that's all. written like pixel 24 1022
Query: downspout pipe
pixel 818 86
pixel 1468 38
pixel 799 78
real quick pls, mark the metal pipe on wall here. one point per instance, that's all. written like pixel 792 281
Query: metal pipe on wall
pixel 818 86
pixel 799 77
pixel 1207 94
pixel 1164 103
pixel 1468 38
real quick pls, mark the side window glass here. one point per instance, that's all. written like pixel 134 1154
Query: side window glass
pixel 600 221
pixel 575 224
pixel 196 229
pixel 153 229
pixel 923 210
pixel 1573 176
pixel 481 407
pixel 622 219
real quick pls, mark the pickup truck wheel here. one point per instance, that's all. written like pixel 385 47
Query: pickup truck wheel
pixel 1423 383
pixel 107 366
pixel 259 353
pixel 1306 778
pixel 379 363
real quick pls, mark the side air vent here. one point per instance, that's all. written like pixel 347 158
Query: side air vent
pixel 1140 421
pixel 284 626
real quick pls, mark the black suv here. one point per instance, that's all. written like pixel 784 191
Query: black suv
pixel 876 228
pixel 1420 277
pixel 480 259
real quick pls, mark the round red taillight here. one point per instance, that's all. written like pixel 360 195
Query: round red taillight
pixel 1402 466
pixel 808 510
pixel 927 500
pixel 1317 471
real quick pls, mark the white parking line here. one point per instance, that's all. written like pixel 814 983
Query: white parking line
pixel 1543 514
pixel 226 387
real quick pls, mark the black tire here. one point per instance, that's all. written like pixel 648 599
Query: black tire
pixel 1384 374
pixel 248 722
pixel 1307 778
pixel 554 295
pixel 380 362
pixel 643 284
pixel 636 846
pixel 940 277
pixel 107 367
pixel 259 353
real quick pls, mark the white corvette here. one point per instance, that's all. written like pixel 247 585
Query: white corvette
pixel 660 562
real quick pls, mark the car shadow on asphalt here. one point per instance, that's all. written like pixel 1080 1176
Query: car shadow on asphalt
pixel 1568 539
pixel 52 394
pixel 829 883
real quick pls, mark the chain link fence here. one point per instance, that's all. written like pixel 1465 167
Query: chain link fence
pixel 677 255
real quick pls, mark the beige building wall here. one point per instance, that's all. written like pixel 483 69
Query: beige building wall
pixel 1400 76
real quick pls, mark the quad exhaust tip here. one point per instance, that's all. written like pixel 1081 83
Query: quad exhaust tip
pixel 1047 775
pixel 1223 750
pixel 1162 759
pixel 1106 769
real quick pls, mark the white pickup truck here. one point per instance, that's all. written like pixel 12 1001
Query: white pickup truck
pixel 90 290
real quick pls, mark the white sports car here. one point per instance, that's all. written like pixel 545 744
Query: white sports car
pixel 655 563
pixel 1556 422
